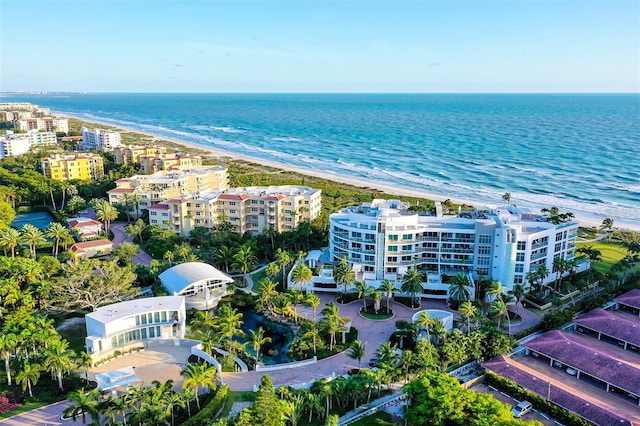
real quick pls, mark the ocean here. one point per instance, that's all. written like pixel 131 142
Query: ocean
pixel 579 152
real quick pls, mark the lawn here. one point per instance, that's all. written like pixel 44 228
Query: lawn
pixel 256 279
pixel 236 396
pixel 27 406
pixel 75 332
pixel 611 254
pixel 380 418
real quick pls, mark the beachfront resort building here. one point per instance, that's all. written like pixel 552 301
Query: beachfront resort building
pixel 45 124
pixel 15 144
pixel 382 240
pixel 170 184
pixel 154 159
pixel 251 209
pixel 100 139
pixel 25 116
pixel 82 166
pixel 129 324
pixel 201 284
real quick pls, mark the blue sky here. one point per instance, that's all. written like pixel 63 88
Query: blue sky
pixel 320 46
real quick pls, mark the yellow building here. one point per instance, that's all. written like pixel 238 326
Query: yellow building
pixel 130 154
pixel 82 166
pixel 167 161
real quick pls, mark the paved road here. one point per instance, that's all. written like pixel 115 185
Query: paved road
pixel 119 237
pixel 49 415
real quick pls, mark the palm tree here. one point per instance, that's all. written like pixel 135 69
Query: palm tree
pixel 244 260
pixel 357 351
pixel 29 376
pixel 439 331
pixel 82 404
pixel 229 324
pixel 128 203
pixel 344 275
pixel 58 359
pixel 196 375
pixel 58 233
pixel 266 294
pixel 313 301
pixel 323 388
pixel 283 259
pixel 120 405
pixel 33 237
pixel 301 275
pixel 105 213
pixel 361 286
pixel 412 283
pixel 467 310
pixel 543 273
pixel 257 339
pixel 388 287
pixel 459 288
pixel 499 309
pixel 8 343
pixel 377 297
pixel 9 240
pixel 496 290
pixel 507 197
pixel 135 201
pixel 312 332
pixel 424 321
pixel 272 270
pixel 518 293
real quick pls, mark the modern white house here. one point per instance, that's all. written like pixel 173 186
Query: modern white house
pixel 123 325
pixel 383 240
pixel 201 284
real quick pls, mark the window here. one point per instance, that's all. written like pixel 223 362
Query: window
pixel 484 239
pixel 163 314
pixel 392 259
pixel 232 203
pixel 484 250
pixel 407 236
pixel 519 267
pixel 522 245
pixel 519 257
pixel 393 248
pixel 393 238
pixel 406 248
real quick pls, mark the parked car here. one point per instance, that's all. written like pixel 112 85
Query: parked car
pixel 521 409
pixel 571 371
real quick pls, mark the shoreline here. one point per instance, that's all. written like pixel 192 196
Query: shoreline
pixel 592 220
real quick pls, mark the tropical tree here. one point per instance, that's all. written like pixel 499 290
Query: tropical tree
pixel 58 359
pixel 607 224
pixel 467 310
pixel 199 375
pixel 57 232
pixel 388 287
pixel 412 283
pixel 283 259
pixel 344 275
pixel 499 310
pixel 459 288
pixel 29 375
pixel 496 291
pixel 375 294
pixel 361 286
pixel 424 321
pixel 137 228
pixel 257 339
pixel 313 301
pixel 229 323
pixel 518 292
pixel 82 403
pixel 126 200
pixel 244 260
pixel 357 351
pixel 105 212
pixel 266 294
pixel 9 240
pixel 507 197
pixel 301 275
pixel 272 270
pixel 312 332
pixel 8 344
pixel 33 237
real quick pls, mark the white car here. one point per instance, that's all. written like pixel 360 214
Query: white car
pixel 521 409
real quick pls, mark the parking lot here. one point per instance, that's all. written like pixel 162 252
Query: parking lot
pixel 533 415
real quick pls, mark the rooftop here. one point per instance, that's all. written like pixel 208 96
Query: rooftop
pixel 564 348
pixel 77 247
pixel 630 298
pixel 180 277
pixel 117 311
pixel 614 325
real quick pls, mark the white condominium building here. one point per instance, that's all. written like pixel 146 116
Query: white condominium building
pixel 13 145
pixel 382 240
pixel 23 107
pixel 47 124
pixel 100 139
pixel 166 185
pixel 154 159
pixel 251 209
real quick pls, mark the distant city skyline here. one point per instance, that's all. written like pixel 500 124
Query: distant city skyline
pixel 320 46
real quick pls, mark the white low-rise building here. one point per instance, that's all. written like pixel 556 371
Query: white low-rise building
pixel 200 283
pixel 383 240
pixel 15 144
pixel 123 325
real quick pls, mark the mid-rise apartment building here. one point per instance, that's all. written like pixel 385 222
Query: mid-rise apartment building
pixel 15 144
pixel 83 166
pixel 130 154
pixel 382 240
pixel 47 124
pixel 100 139
pixel 154 159
pixel 166 185
pixel 250 209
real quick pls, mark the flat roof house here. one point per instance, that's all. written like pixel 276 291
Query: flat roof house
pixel 202 285
pixel 120 325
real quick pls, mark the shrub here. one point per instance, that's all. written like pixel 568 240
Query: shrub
pixel 7 405
pixel 211 409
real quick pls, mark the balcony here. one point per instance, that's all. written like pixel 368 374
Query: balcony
pixel 539 245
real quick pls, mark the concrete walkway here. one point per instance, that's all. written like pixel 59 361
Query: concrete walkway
pixel 529 319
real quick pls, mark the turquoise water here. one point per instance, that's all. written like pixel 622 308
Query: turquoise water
pixel 276 351
pixel 578 152
pixel 40 220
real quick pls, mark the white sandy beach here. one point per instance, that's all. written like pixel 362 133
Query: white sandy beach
pixel 583 219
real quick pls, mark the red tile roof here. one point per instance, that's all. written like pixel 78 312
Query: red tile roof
pixel 618 326
pixel 75 223
pixel 120 190
pixel 240 197
pixel 597 363
pixel 275 198
pixel 159 206
pixel 80 247
pixel 630 298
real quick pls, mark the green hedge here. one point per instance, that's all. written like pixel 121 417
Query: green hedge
pixel 210 410
pixel 540 403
